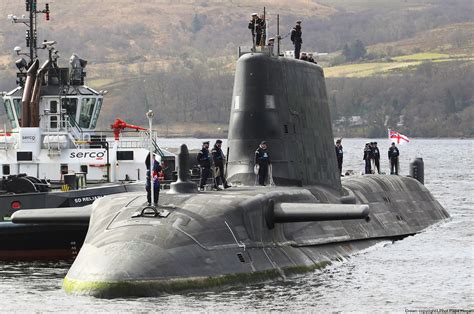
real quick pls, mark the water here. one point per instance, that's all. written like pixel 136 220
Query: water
pixel 432 270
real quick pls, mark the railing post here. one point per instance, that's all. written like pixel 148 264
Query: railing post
pixel 57 138
pixel 47 128
pixel 5 135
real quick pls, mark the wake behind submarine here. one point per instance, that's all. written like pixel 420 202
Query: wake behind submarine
pixel 252 233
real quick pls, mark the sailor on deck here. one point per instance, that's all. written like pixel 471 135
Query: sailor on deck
pixel 367 158
pixel 296 38
pixel 257 26
pixel 376 156
pixel 156 182
pixel 219 158
pixel 339 155
pixel 393 154
pixel 204 161
pixel 262 162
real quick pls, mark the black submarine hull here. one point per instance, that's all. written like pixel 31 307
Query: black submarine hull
pixel 220 238
pixel 252 233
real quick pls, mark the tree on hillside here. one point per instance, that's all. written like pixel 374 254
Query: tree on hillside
pixel 198 23
pixel 346 52
pixel 355 51
pixel 358 50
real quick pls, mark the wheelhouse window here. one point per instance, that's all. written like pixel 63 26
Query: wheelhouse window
pixel 70 105
pixel 87 109
pixel 10 114
pixel 95 117
pixel 53 106
pixel 17 103
pixel 53 122
pixel 53 118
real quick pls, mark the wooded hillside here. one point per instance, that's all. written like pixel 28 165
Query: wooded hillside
pixel 177 57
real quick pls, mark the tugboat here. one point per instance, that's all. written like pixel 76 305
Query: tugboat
pixel 252 233
pixel 52 156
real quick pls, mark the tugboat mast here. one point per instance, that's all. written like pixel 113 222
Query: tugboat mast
pixel 31 33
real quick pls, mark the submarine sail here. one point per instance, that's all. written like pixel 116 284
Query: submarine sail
pixel 282 101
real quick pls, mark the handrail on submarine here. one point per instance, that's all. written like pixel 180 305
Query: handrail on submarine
pixel 306 212
pixel 267 50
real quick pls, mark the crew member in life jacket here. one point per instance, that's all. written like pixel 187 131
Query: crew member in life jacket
pixel 257 27
pixel 393 154
pixel 304 57
pixel 376 156
pixel 156 182
pixel 262 162
pixel 296 38
pixel 339 155
pixel 367 158
pixel 311 59
pixel 204 161
pixel 219 159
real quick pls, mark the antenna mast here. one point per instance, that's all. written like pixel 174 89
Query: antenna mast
pixel 31 37
pixel 265 31
pixel 278 35
pixel 31 34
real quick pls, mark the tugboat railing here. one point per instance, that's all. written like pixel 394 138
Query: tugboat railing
pixel 74 128
pixel 63 125
pixel 7 142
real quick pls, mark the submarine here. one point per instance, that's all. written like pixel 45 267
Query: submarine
pixel 248 233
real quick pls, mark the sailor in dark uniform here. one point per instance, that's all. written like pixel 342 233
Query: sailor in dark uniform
pixel 263 27
pixel 257 27
pixel 376 156
pixel 339 155
pixel 262 161
pixel 204 161
pixel 393 154
pixel 156 182
pixel 367 158
pixel 296 38
pixel 219 159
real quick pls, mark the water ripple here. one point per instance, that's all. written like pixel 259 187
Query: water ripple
pixel 434 269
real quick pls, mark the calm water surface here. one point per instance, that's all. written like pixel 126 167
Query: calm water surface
pixel 432 270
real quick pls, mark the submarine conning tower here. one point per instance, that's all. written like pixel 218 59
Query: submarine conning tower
pixel 284 102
